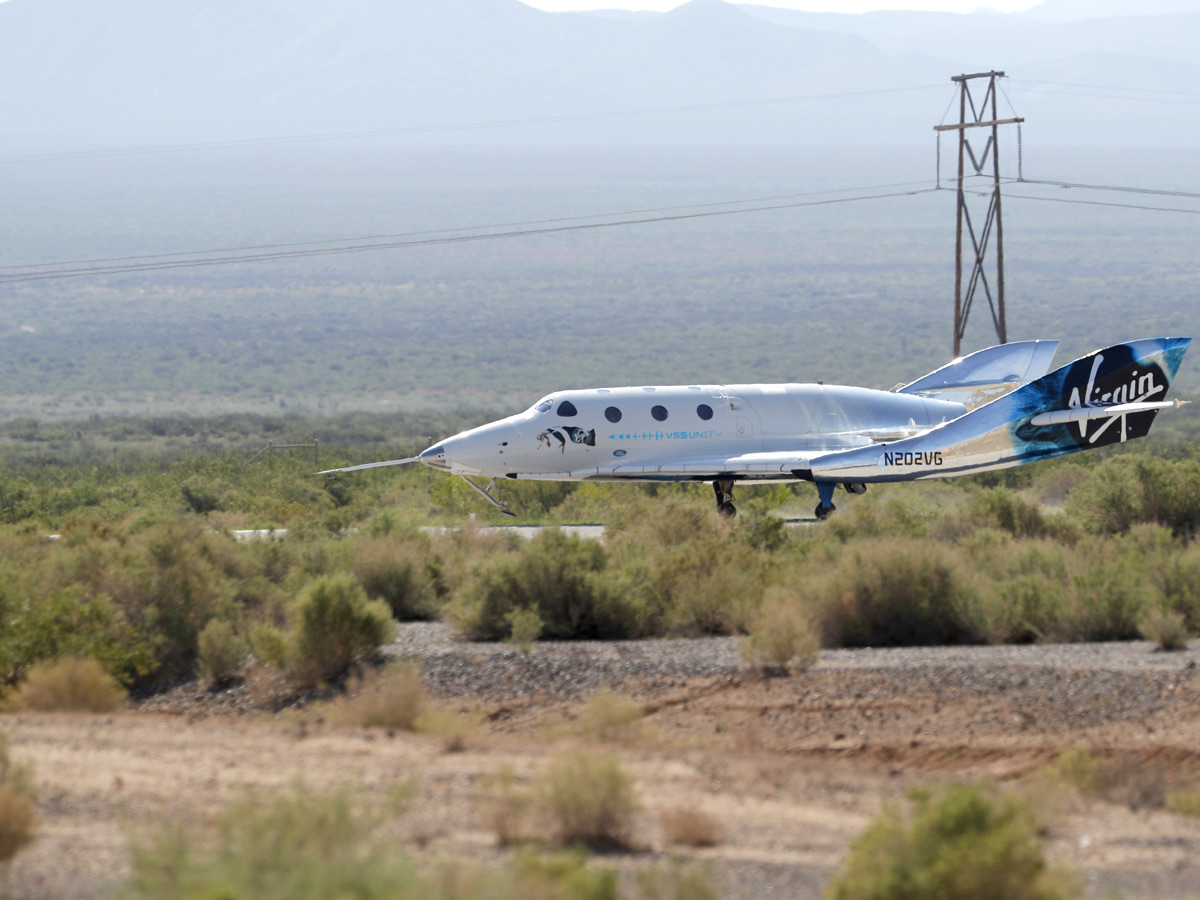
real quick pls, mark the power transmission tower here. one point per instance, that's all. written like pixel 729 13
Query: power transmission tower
pixel 982 116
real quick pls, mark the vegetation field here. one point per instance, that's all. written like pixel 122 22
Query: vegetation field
pixel 133 409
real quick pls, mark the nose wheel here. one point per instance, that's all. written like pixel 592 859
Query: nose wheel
pixel 724 492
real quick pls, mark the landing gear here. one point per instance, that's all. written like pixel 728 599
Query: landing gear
pixel 724 492
pixel 825 507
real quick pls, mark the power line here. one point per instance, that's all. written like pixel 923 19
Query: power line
pixel 26 268
pixel 121 269
pixel 1104 203
pixel 1102 87
pixel 1108 187
pixel 439 129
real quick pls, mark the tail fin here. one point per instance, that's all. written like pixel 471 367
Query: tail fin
pixel 1106 397
pixel 983 376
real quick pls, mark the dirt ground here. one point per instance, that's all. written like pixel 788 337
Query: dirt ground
pixel 791 768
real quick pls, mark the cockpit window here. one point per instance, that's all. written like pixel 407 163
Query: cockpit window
pixel 544 405
pixel 567 409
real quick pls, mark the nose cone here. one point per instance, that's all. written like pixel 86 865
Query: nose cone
pixel 435 458
pixel 480 451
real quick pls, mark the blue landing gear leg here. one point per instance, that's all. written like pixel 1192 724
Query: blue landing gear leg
pixel 825 492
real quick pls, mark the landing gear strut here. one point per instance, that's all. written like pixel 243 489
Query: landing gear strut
pixel 825 493
pixel 724 492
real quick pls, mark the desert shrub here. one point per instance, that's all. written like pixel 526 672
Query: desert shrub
pixel 1111 593
pixel 391 697
pixel 302 843
pixel 688 825
pixel 337 626
pixel 559 577
pixel 589 800
pixel 222 652
pixel 524 628
pixel 897 592
pixel 1001 508
pixel 957 844
pixel 396 569
pixel 505 806
pixel 1124 490
pixel 1164 627
pixel 782 636
pixel 1184 802
pixel 1126 779
pixel 299 843
pixel 1087 773
pixel 17 805
pixel 610 717
pixel 69 622
pixel 271 645
pixel 69 684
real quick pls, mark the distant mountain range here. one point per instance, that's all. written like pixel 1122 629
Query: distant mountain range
pixel 117 72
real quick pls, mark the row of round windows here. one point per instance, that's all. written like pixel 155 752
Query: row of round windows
pixel 567 409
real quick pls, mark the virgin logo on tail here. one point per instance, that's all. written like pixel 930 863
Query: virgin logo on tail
pixel 1139 388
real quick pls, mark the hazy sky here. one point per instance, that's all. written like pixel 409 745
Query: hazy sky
pixel 846 6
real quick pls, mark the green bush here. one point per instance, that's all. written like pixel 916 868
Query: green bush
pixel 561 578
pixel 222 652
pixel 957 844
pixel 1001 508
pixel 397 570
pixel 897 592
pixel 337 626
pixel 70 622
pixel 1125 490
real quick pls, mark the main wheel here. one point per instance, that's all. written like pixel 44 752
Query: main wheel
pixel 727 509
pixel 822 512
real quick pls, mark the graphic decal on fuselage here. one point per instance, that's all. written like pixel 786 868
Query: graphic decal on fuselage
pixel 565 434
pixel 664 435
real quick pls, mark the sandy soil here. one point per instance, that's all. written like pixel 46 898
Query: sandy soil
pixel 792 768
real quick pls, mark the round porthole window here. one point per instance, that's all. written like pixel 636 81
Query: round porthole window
pixel 659 412
pixel 704 411
pixel 612 414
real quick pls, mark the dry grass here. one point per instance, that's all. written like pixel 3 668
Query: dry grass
pixel 1166 628
pixel 395 697
pixel 782 636
pixel 17 805
pixel 688 825
pixel 505 807
pixel 611 718
pixel 69 684
pixel 391 697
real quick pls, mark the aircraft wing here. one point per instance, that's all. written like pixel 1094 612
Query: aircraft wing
pixel 748 466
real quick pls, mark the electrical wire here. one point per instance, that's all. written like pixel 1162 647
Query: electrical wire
pixel 29 267
pixel 1193 212
pixel 120 269
pixel 1101 87
pixel 440 129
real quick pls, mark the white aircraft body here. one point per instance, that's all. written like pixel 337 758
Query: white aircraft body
pixel 989 410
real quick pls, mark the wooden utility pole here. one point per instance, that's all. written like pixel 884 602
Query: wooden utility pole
pixel 982 116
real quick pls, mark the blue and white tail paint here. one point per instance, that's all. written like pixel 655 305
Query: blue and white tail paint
pixel 1106 397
